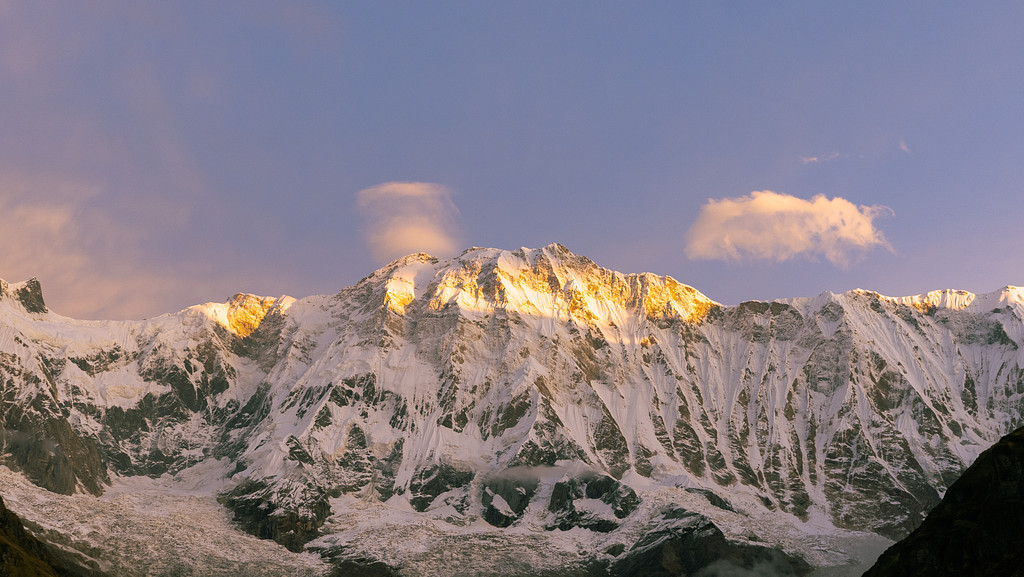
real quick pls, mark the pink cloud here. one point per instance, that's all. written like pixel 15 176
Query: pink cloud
pixel 767 225
pixel 408 217
pixel 86 260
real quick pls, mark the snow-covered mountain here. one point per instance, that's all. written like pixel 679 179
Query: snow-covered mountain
pixel 529 394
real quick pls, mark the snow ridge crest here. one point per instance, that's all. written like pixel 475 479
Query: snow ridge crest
pixel 960 299
pixel 547 282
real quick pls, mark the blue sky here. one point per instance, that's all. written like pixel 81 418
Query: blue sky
pixel 156 155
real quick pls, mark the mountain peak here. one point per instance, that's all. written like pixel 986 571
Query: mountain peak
pixel 28 293
pixel 547 282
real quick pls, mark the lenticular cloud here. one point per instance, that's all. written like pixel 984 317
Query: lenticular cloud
pixel 766 225
pixel 407 217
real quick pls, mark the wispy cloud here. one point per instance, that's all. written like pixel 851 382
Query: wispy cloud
pixel 819 159
pixel 407 217
pixel 767 225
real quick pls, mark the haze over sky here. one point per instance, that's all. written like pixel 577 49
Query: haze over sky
pixel 155 155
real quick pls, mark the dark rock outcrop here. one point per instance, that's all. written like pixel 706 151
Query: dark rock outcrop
pixel 358 569
pixel 20 553
pixel 977 527
pixel 713 498
pixel 31 296
pixel 431 482
pixel 569 496
pixel 688 543
pixel 255 509
pixel 505 500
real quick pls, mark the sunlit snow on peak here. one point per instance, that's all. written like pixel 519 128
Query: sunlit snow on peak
pixel 546 284
pixel 242 313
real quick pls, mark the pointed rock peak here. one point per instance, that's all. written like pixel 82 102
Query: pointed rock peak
pixel 246 312
pixel 402 280
pixel 29 294
pixel 554 259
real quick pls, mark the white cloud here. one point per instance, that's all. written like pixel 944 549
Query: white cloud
pixel 768 225
pixel 408 217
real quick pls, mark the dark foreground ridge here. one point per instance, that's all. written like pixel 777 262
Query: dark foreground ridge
pixel 22 555
pixel 977 527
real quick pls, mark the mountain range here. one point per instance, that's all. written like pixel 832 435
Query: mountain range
pixel 505 413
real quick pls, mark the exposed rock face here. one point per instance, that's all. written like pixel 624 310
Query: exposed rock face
pixel 686 543
pixel 349 568
pixel 256 508
pixel 595 502
pixel 977 527
pixel 29 294
pixel 429 382
pixel 433 481
pixel 505 500
pixel 37 438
